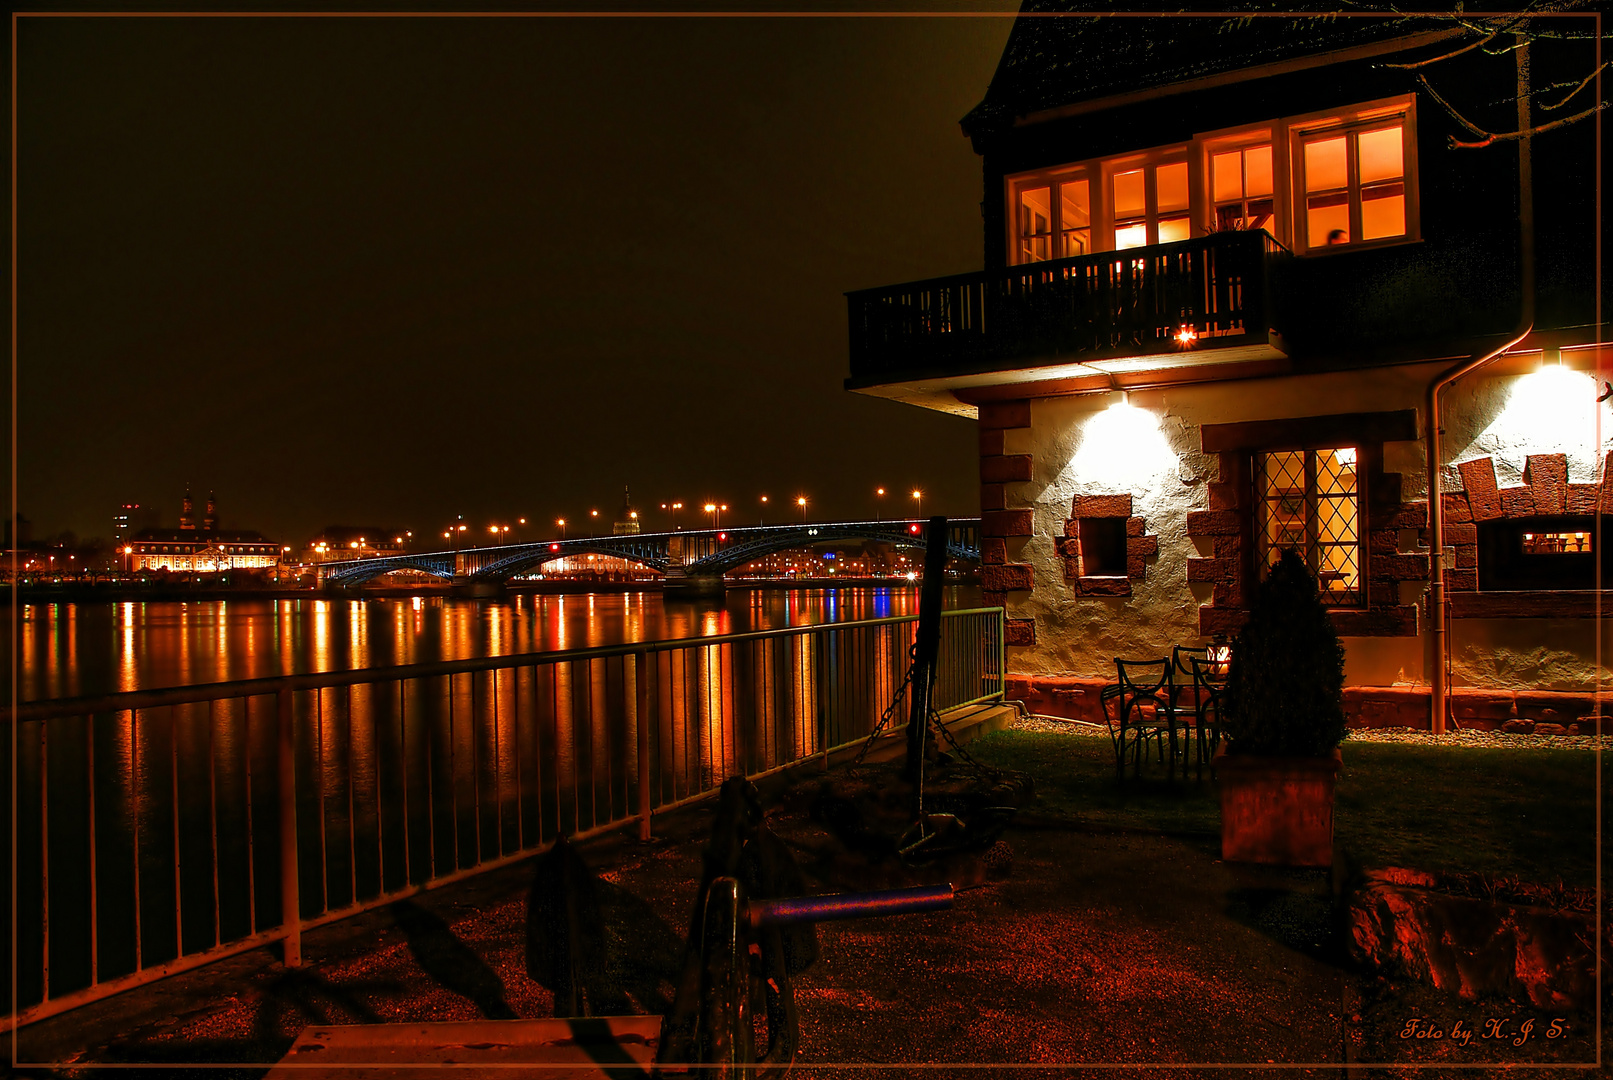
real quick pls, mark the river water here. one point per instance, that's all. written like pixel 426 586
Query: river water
pixel 74 649
pixel 143 835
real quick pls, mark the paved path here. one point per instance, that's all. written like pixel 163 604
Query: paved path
pixel 1101 948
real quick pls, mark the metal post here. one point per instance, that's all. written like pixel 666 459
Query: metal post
pixel 290 904
pixel 638 702
pixel 928 642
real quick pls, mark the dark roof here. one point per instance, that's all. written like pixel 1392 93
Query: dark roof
pixel 1061 52
pixel 200 536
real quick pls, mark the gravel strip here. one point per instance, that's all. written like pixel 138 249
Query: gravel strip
pixel 1463 737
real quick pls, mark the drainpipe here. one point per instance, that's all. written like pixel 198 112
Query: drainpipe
pixel 1438 690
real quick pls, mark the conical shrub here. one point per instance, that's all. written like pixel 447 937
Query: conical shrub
pixel 1285 690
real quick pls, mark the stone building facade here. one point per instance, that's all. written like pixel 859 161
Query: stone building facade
pixel 1217 294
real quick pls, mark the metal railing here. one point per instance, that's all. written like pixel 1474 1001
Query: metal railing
pixel 1110 304
pixel 160 830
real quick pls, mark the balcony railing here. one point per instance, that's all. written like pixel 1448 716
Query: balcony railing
pixel 1094 307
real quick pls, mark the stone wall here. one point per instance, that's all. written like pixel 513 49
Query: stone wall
pixel 1539 711
pixel 1049 464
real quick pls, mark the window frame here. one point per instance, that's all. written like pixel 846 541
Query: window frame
pixel 1351 122
pixel 1312 498
pixel 1287 137
pixel 1149 161
pixel 1051 179
pixel 1273 133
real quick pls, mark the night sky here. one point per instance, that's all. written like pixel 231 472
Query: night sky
pixel 387 271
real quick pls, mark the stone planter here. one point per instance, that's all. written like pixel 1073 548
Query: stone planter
pixel 1277 809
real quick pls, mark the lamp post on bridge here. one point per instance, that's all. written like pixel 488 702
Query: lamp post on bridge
pixel 761 517
pixel 879 504
pixel 801 501
pixel 918 504
pixel 562 523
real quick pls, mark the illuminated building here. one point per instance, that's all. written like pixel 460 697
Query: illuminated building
pixel 1229 269
pixel 208 549
pixel 353 542
pixel 627 524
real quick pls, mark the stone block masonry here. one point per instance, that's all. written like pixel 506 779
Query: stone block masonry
pixel 1004 515
pixel 1540 711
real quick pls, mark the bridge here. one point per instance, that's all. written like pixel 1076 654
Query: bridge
pixel 692 561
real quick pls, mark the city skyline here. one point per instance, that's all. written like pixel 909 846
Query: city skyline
pixel 398 270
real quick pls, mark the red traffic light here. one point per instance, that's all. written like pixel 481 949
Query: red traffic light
pixel 722 536
pixel 554 547
pixel 912 528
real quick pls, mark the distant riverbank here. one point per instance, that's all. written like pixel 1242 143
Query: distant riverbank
pixel 126 592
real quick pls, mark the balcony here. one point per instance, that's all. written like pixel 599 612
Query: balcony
pixel 1087 319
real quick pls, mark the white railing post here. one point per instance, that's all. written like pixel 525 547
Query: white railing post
pixel 290 903
pixel 639 715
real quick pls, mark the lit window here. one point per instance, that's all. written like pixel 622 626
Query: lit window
pixel 1242 186
pixel 1055 221
pixel 1557 543
pixel 1540 553
pixel 1354 184
pixel 1310 502
pixel 1150 205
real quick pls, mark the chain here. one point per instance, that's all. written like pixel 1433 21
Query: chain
pixel 935 721
pixel 896 700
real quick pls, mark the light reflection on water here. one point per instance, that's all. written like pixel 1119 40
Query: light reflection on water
pixel 68 650
pixel 397 782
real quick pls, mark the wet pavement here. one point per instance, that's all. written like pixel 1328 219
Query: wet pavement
pixel 1100 949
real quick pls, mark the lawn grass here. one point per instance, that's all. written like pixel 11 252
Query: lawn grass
pixel 1527 813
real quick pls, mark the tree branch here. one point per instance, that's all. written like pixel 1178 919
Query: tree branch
pixel 1435 60
pixel 1457 144
pixel 1583 83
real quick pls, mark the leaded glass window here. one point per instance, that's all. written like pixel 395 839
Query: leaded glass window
pixel 1310 500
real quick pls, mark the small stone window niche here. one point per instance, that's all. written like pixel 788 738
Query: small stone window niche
pixel 1106 549
pixel 1102 544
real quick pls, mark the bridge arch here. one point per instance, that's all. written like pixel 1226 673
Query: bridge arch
pixel 358 571
pixel 749 545
pixel 714 553
pixel 521 562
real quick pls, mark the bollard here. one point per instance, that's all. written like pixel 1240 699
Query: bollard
pixel 290 904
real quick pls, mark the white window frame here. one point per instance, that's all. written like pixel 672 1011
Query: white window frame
pixel 1273 133
pixel 1148 161
pixel 1051 179
pixel 1303 129
pixel 1287 136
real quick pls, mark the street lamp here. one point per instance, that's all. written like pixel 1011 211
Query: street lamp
pixel 711 508
pixel 879 504
pixel 918 503
pixel 594 515
pixel 761 518
pixel 801 502
pixel 562 523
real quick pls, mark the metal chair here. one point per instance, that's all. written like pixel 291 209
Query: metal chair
pixel 1144 709
pixel 1209 678
pixel 1184 692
